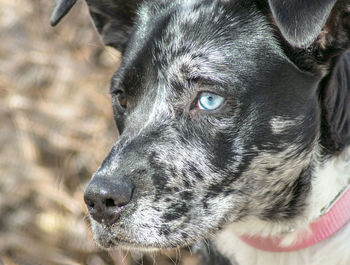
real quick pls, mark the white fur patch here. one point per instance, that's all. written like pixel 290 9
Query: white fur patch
pixel 329 180
pixel 280 124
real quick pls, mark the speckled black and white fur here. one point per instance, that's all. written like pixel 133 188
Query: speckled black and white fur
pixel 266 162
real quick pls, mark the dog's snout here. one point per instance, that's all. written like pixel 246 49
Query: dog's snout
pixel 105 198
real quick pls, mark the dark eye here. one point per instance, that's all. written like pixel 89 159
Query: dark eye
pixel 121 99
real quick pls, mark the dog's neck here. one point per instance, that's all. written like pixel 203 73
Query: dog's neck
pixel 333 218
pixel 330 178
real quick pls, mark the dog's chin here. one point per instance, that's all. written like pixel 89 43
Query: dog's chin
pixel 111 242
pixel 109 237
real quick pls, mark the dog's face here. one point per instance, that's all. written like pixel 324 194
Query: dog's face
pixel 194 169
pixel 217 124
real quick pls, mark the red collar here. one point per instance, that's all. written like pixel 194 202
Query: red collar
pixel 321 229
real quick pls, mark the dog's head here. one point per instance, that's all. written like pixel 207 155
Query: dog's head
pixel 222 107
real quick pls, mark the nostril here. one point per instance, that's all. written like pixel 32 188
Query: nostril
pixel 88 202
pixel 117 202
pixel 110 203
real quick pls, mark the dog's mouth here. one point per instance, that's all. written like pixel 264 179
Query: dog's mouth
pixel 146 226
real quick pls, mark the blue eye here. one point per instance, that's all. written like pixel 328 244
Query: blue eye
pixel 210 101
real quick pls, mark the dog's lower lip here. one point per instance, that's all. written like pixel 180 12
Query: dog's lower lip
pixel 129 246
pixel 120 243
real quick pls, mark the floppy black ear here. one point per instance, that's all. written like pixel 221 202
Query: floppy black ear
pixel 113 18
pixel 335 103
pixel 301 21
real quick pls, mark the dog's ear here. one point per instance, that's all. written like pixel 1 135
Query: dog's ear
pixel 301 21
pixel 113 19
pixel 61 9
pixel 321 28
pixel 335 103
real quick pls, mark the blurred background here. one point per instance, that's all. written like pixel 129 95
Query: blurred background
pixel 56 127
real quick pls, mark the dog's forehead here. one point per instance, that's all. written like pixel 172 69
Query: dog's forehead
pixel 230 46
pixel 208 35
pixel 191 40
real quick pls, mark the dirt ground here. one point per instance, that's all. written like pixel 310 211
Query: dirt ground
pixel 55 128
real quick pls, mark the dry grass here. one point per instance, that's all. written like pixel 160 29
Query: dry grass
pixel 56 127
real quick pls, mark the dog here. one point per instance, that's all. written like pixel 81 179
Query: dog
pixel 234 123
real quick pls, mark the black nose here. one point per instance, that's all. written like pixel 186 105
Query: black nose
pixel 105 198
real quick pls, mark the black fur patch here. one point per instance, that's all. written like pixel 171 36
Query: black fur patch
pixel 176 211
pixel 335 98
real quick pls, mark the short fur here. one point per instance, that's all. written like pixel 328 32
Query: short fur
pixel 260 163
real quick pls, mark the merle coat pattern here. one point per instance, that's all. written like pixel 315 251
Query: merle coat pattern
pixel 281 68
